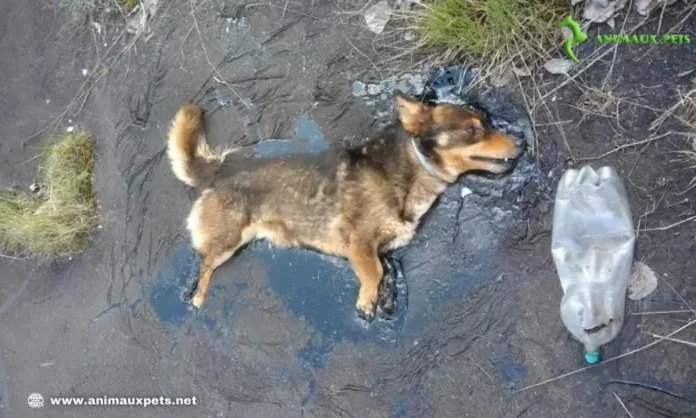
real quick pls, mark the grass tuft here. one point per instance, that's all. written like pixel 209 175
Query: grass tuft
pixel 99 11
pixel 489 31
pixel 127 5
pixel 57 219
pixel 689 156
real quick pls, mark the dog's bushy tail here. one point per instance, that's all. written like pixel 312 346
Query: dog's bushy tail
pixel 193 162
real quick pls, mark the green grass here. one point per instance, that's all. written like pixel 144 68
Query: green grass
pixel 490 31
pixel 57 219
pixel 127 5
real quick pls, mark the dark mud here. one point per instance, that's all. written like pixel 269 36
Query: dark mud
pixel 477 297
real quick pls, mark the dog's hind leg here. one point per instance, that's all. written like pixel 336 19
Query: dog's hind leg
pixel 368 269
pixel 216 233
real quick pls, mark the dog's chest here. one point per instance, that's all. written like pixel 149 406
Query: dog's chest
pixel 403 230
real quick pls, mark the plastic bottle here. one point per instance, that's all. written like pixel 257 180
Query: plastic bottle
pixel 592 246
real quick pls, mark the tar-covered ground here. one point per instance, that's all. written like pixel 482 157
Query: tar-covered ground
pixel 478 298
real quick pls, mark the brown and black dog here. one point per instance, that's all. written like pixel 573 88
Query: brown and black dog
pixel 355 203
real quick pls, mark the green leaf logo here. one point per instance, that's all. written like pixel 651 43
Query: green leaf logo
pixel 578 37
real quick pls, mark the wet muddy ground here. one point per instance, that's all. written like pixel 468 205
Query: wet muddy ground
pixel 477 306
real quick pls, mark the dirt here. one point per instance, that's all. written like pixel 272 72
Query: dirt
pixel 477 314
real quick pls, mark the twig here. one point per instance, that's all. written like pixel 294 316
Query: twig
pixel 662 14
pixel 613 60
pixel 633 144
pixel 481 368
pixel 363 54
pixel 669 112
pixel 285 9
pixel 664 228
pixel 12 257
pixel 678 295
pixel 220 79
pixel 81 90
pixel 623 405
pixel 660 312
pixel 645 347
pixel 689 343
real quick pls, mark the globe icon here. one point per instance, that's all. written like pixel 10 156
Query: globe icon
pixel 36 400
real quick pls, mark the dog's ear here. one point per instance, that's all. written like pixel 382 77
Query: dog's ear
pixel 413 115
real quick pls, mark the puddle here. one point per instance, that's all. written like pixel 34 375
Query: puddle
pixel 318 289
pixel 174 279
pixel 322 291
pixel 307 139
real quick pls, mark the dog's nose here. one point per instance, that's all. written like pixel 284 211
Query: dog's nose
pixel 520 144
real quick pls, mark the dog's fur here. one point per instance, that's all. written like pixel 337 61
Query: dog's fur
pixel 356 203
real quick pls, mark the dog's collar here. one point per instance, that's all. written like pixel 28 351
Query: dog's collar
pixel 423 160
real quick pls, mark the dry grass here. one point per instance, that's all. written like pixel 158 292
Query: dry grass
pixel 485 31
pixel 127 5
pixel 688 156
pixel 98 10
pixel 55 220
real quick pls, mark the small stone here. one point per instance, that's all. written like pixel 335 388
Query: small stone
pixel 377 16
pixel 418 83
pixel 374 89
pixel 543 207
pixel 70 129
pixel 358 89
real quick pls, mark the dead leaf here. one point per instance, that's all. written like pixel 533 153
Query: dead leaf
pixel 641 282
pixel 502 76
pixel 136 22
pixel 602 10
pixel 644 7
pixel 567 32
pixel 558 66
pixel 521 72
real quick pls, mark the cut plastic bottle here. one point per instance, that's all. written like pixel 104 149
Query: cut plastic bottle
pixel 592 247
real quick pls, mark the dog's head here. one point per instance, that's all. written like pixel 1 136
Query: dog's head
pixel 455 139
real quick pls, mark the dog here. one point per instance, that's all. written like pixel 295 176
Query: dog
pixel 355 203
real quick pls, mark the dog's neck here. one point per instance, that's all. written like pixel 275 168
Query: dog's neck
pixel 427 165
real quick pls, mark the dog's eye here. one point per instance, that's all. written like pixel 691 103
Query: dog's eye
pixel 474 130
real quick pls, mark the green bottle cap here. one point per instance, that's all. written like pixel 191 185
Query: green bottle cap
pixel 592 357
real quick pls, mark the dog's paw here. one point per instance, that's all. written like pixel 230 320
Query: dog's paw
pixel 365 312
pixel 197 300
pixel 366 304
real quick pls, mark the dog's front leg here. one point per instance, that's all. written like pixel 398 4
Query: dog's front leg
pixel 368 269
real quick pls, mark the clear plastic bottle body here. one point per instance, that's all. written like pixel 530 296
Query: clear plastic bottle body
pixel 592 248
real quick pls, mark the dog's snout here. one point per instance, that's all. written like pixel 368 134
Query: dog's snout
pixel 519 142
